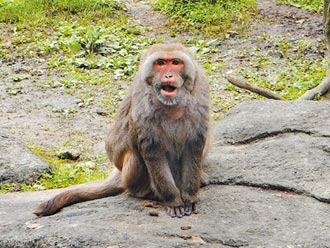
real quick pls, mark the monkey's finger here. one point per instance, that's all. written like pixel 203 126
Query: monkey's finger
pixel 171 212
pixel 179 212
pixel 188 209
pixel 176 211
pixel 194 208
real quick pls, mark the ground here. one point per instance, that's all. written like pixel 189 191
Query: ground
pixel 51 117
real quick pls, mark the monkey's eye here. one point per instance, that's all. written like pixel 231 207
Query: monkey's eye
pixel 160 62
pixel 176 61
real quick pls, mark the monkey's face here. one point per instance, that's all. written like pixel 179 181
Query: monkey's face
pixel 170 71
pixel 167 79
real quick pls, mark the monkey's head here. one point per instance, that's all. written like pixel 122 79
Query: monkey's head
pixel 170 70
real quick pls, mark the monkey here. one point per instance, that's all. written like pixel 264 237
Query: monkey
pixel 159 137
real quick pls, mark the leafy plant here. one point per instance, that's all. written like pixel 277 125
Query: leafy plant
pixel 64 172
pixel 311 5
pixel 38 11
pixel 205 16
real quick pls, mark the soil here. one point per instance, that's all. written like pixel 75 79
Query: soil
pixel 39 116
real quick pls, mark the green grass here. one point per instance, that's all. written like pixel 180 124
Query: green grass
pixel 64 172
pixel 298 68
pixel 41 11
pixel 310 5
pixel 205 17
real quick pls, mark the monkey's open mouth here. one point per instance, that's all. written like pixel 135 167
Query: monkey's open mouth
pixel 168 90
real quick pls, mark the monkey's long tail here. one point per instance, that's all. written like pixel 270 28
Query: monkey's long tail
pixel 111 187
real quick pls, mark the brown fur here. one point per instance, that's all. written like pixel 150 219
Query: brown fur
pixel 156 145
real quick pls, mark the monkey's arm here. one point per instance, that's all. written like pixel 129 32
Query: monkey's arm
pixel 161 178
pixel 192 172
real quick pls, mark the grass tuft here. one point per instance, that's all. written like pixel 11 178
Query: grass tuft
pixel 64 172
pixel 39 11
pixel 206 17
pixel 310 5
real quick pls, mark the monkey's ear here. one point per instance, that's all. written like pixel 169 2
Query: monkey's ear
pixel 144 55
pixel 192 51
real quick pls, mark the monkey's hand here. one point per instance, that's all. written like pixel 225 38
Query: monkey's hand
pixel 188 208
pixel 176 208
pixel 190 203
pixel 181 211
pixel 176 211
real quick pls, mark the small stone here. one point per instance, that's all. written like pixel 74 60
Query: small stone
pixel 57 84
pixel 70 155
pixel 150 204
pixel 33 225
pixel 197 239
pixel 101 113
pixel 154 213
pixel 186 227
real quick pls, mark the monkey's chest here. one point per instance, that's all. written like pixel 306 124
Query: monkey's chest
pixel 176 134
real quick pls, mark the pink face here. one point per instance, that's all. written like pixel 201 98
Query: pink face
pixel 169 70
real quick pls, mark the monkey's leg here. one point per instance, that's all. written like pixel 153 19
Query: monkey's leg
pixel 135 177
pixel 111 187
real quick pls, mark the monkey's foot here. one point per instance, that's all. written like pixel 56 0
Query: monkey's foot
pixel 204 179
pixel 181 211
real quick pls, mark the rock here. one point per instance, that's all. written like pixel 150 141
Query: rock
pixel 269 170
pixel 277 145
pixel 17 163
pixel 69 154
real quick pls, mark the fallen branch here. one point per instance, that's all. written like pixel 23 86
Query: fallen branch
pixel 242 83
pixel 320 90
pixel 326 22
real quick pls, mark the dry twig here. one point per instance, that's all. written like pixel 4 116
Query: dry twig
pixel 242 83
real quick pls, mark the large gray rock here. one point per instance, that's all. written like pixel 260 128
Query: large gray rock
pixel 275 144
pixel 270 174
pixel 17 163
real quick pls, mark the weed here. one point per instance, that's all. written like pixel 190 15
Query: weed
pixel 203 16
pixel 311 5
pixel 64 172
pixel 40 11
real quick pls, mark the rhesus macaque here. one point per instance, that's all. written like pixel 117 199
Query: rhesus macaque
pixel 158 139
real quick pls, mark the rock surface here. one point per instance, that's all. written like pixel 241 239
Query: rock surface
pixel 17 163
pixel 270 173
